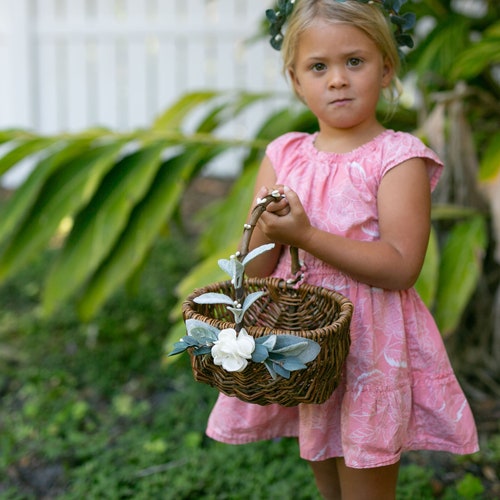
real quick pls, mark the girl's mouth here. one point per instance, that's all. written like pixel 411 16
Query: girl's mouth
pixel 340 102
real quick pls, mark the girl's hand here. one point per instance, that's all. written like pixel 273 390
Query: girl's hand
pixel 279 207
pixel 285 221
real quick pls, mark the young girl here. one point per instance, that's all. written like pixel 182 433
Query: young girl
pixel 357 203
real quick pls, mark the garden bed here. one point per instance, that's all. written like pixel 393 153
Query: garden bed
pixel 93 411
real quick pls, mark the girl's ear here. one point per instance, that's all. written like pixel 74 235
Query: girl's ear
pixel 296 83
pixel 387 74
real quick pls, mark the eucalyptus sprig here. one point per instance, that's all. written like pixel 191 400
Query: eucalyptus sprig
pixel 277 19
pixel 403 23
pixel 281 354
pixel 233 348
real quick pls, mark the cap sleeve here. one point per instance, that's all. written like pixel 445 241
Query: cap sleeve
pixel 401 146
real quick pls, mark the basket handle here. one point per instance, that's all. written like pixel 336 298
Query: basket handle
pixel 257 211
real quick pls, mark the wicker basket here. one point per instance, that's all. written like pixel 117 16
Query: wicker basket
pixel 306 311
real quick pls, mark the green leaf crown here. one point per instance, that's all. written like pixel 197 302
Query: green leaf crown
pixel 403 23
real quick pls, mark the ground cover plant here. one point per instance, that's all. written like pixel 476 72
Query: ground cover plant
pixel 92 411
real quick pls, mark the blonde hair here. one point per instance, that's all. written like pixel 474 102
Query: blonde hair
pixel 366 17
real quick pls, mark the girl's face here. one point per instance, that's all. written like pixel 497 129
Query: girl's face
pixel 339 73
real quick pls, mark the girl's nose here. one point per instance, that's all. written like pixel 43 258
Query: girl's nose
pixel 338 78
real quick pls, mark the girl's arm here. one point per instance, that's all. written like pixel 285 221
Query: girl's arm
pixel 264 264
pixel 394 260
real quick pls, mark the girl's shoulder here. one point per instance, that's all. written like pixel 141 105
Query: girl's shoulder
pixel 287 144
pixel 397 147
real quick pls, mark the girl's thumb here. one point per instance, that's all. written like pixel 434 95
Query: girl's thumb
pixel 289 193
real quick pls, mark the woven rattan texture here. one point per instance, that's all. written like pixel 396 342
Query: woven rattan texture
pixel 307 311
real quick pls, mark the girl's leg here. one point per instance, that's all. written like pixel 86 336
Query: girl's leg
pixel 336 481
pixel 327 478
pixel 378 483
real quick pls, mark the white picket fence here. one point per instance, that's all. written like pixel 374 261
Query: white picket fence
pixel 66 65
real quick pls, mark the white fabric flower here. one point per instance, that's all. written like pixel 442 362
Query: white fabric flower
pixel 232 350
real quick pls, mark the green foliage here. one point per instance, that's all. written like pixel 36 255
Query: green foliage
pixel 490 162
pixel 426 284
pixel 460 268
pixel 89 411
pixel 116 193
pixel 470 487
pixel 414 483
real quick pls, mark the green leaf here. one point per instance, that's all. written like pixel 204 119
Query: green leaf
pixel 470 487
pixel 237 313
pixel 269 341
pixel 437 53
pixel 293 364
pixel 233 268
pixel 198 351
pixel 250 299
pixel 214 298
pixel 271 369
pixel 203 335
pixel 442 211
pixel 99 224
pixel 260 354
pixel 283 372
pixel 174 116
pixel 225 219
pixel 22 150
pixel 14 134
pixel 192 324
pixel 427 282
pixel 179 348
pixel 256 252
pixel 143 227
pixel 490 162
pixel 231 106
pixel 304 349
pixel 460 269
pixel 474 60
pixel 30 209
pixel 26 194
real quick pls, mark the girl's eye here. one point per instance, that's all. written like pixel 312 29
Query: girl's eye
pixel 354 62
pixel 318 67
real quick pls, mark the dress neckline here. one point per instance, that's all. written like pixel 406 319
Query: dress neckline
pixel 312 140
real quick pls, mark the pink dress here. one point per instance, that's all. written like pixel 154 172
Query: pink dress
pixel 399 391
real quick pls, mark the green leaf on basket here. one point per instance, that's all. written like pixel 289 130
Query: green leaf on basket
pixel 304 349
pixel 281 371
pixel 183 344
pixel 270 368
pixel 292 349
pixel 234 268
pixel 260 354
pixel 203 335
pixel 237 313
pixel 256 252
pixel 193 324
pixel 213 298
pixel 250 299
pixel 269 341
pixel 293 364
pixel 204 349
pixel 179 347
pixel 189 341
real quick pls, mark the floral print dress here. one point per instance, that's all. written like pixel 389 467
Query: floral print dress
pixel 399 391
